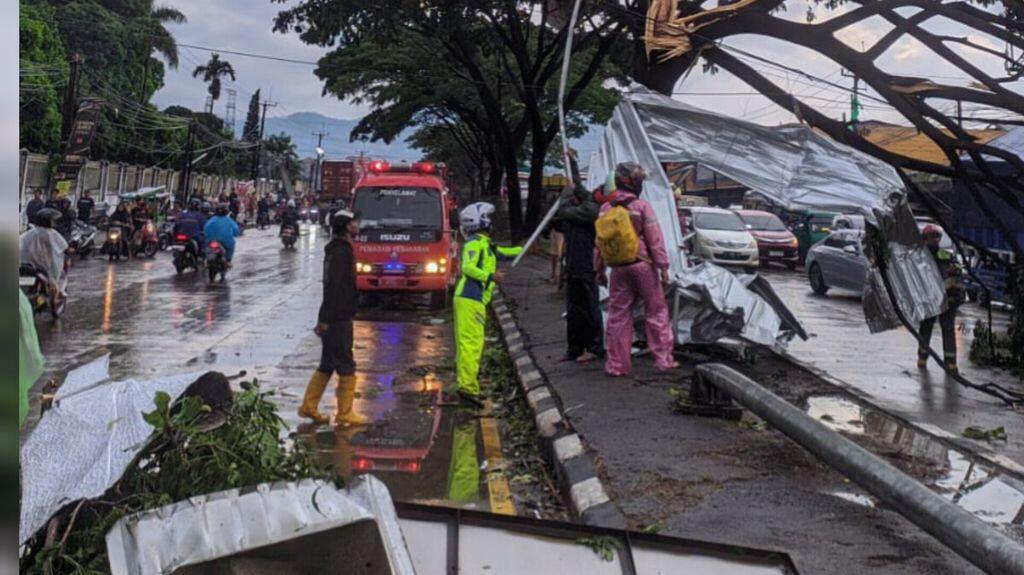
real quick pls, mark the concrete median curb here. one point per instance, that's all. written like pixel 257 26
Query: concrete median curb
pixel 577 477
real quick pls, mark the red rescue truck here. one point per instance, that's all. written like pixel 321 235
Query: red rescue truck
pixel 407 242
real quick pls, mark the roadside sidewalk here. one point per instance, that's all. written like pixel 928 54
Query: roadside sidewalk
pixel 712 479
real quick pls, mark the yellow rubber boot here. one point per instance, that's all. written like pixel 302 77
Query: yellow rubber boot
pixel 346 397
pixel 314 391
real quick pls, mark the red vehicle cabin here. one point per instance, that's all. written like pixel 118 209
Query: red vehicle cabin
pixel 406 242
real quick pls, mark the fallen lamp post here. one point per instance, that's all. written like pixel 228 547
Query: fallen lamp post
pixel 968 536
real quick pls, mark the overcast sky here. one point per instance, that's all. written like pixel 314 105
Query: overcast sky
pixel 221 24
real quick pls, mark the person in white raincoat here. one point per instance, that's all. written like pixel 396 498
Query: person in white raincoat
pixel 44 247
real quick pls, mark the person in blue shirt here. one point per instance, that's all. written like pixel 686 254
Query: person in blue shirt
pixel 222 229
pixel 191 223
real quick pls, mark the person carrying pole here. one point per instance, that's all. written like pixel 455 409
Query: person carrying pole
pixel 334 325
pixel 950 272
pixel 584 325
pixel 479 267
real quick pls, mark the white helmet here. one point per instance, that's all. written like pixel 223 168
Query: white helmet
pixel 291 203
pixel 476 217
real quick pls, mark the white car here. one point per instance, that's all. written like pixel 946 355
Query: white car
pixel 719 236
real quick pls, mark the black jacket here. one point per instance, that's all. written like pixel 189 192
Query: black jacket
pixel 576 216
pixel 339 282
pixel 85 207
pixel 33 207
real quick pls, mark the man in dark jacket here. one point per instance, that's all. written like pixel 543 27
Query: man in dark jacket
pixel 583 325
pixel 85 206
pixel 334 325
pixel 34 205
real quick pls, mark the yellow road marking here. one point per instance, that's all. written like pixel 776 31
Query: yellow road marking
pixel 497 485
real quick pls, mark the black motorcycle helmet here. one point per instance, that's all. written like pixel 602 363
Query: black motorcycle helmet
pixel 47 217
pixel 195 204
pixel 207 208
pixel 222 209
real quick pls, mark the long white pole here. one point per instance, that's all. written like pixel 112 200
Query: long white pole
pixel 561 130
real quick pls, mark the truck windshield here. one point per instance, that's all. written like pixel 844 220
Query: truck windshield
pixel 417 208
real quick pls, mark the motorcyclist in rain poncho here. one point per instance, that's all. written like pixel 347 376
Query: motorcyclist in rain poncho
pixel 44 248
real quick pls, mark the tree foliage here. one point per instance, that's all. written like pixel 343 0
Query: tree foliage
pixel 212 72
pixel 251 130
pixel 489 66
pixel 44 72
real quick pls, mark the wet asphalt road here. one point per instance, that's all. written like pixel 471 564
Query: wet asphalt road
pixel 883 365
pixel 260 320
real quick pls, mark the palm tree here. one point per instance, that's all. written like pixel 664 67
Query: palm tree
pixel 212 72
pixel 153 25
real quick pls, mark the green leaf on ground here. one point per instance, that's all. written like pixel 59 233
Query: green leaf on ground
pixel 604 545
pixel 982 434
pixel 652 528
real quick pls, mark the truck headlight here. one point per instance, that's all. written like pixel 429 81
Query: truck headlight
pixel 432 267
pixel 363 268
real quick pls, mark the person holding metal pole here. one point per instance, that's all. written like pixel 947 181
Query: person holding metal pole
pixel 479 266
pixel 584 325
pixel 629 241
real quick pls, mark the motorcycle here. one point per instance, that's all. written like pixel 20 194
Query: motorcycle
pixel 36 286
pixel 216 260
pixel 288 236
pixel 262 220
pixel 82 240
pixel 304 214
pixel 147 240
pixel 314 215
pixel 115 246
pixel 186 253
pixel 166 233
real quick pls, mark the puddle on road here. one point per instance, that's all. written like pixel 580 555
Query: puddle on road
pixel 423 452
pixel 976 487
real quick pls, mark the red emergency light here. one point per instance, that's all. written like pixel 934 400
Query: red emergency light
pixel 362 464
pixel 424 167
pixel 379 166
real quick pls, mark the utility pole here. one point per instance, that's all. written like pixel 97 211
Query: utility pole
pixel 960 113
pixel 259 144
pixel 186 169
pixel 70 99
pixel 855 105
pixel 315 183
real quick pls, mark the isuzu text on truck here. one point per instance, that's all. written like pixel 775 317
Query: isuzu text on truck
pixel 406 243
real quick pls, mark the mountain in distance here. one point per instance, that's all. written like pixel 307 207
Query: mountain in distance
pixel 302 125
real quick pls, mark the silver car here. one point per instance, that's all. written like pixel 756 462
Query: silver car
pixel 838 262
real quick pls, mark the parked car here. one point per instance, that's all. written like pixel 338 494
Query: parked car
pixel 989 281
pixel 719 236
pixel 838 261
pixel 775 242
pixel 808 227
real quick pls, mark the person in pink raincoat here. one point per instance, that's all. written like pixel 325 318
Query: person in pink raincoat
pixel 640 280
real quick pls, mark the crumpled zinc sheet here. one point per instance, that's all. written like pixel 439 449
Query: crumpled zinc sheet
pixel 84 443
pixel 793 166
pixel 222 524
pixel 728 294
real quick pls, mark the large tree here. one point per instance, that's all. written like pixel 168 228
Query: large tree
pixel 212 72
pixel 43 75
pixel 680 33
pixel 507 53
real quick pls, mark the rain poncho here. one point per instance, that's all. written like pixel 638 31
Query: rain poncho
pixel 44 248
pixel 30 359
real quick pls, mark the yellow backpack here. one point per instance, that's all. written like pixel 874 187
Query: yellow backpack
pixel 616 239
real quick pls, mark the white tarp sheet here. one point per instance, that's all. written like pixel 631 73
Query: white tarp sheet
pixel 85 442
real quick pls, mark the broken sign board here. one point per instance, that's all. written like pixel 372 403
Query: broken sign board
pixel 449 540
pixel 306 526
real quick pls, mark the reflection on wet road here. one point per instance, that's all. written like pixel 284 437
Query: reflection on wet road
pixel 883 365
pixel 153 321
